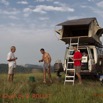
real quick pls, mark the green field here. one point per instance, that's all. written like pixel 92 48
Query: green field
pixel 24 91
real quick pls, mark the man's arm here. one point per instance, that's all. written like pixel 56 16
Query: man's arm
pixel 11 59
pixel 41 59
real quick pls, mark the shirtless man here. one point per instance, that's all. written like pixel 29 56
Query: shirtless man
pixel 46 58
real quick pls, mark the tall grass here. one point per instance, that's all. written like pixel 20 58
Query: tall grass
pixel 24 91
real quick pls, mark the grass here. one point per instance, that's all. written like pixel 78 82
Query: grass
pixel 24 91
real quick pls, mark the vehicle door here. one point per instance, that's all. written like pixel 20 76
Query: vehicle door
pixel 91 62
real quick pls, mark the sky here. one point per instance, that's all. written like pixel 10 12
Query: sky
pixel 30 25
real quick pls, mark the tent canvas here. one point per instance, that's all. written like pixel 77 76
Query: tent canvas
pixel 87 29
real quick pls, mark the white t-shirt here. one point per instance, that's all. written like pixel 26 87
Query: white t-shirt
pixel 11 63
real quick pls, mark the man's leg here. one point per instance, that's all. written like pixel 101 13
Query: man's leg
pixel 44 75
pixel 78 70
pixel 12 77
pixel 79 77
pixel 57 73
pixel 49 74
pixel 9 76
pixel 12 73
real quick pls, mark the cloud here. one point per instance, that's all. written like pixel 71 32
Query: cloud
pixel 22 2
pixel 60 3
pixel 98 11
pixel 23 35
pixel 73 17
pixel 27 9
pixel 91 0
pixel 43 0
pixel 43 18
pixel 49 0
pixel 83 6
pixel 100 4
pixel 13 17
pixel 26 14
pixel 26 32
pixel 12 11
pixel 45 8
pixel 5 2
pixel 40 0
pixel 56 2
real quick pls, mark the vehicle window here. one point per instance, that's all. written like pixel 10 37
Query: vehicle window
pixel 84 51
pixel 71 52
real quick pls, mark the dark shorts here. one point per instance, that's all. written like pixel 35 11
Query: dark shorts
pixel 77 69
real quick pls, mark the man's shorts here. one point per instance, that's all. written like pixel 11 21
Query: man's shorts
pixel 46 66
pixel 11 70
pixel 77 69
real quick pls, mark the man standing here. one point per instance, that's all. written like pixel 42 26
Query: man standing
pixel 11 63
pixel 77 63
pixel 46 58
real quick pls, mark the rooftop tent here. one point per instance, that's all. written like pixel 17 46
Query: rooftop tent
pixel 84 28
pixel 77 30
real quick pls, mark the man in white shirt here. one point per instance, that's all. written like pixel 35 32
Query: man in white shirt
pixel 11 63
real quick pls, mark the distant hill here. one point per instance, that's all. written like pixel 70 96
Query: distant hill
pixel 19 69
pixel 32 66
pixel 3 68
pixel 37 67
pixel 28 68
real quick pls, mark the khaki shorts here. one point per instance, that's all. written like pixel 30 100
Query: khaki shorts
pixel 11 70
pixel 77 69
